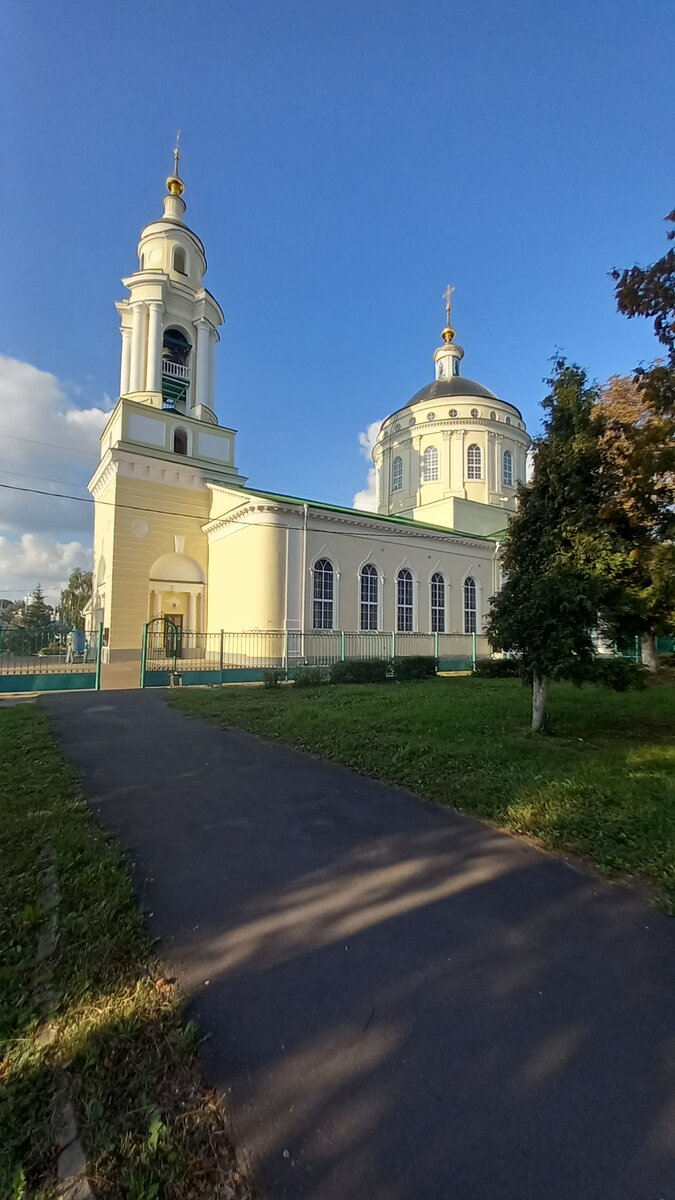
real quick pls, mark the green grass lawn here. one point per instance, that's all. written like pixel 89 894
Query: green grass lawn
pixel 148 1127
pixel 602 785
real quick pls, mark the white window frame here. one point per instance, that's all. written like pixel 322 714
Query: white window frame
pixel 507 475
pixel 470 610
pixel 368 571
pixel 408 606
pixel 325 601
pixel 474 461
pixel 437 579
pixel 397 474
pixel 430 465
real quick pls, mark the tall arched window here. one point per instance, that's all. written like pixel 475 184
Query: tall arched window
pixel 180 442
pixel 397 474
pixel 437 603
pixel 430 465
pixel 474 469
pixel 324 594
pixel 179 260
pixel 369 589
pixel 470 606
pixel 404 601
pixel 508 468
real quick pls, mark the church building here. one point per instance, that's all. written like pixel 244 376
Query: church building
pixel 180 534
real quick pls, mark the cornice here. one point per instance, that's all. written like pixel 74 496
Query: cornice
pixel 322 516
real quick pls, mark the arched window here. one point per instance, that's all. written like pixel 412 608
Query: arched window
pixel 508 469
pixel 369 588
pixel 180 442
pixel 473 462
pixel 455 366
pixel 470 608
pixel 430 465
pixel 179 260
pixel 324 594
pixel 404 601
pixel 437 603
pixel 397 474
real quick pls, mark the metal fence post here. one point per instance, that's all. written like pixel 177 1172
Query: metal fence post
pixel 99 653
pixel 285 663
pixel 222 654
pixel 473 651
pixel 393 643
pixel 144 654
pixel 436 644
pixel 343 645
pixel 638 654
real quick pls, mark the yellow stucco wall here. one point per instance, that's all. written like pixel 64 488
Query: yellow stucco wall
pixel 247 575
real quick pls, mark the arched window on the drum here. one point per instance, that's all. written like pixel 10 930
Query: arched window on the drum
pixel 430 465
pixel 474 462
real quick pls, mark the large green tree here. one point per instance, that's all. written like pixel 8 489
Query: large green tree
pixel 74 596
pixel 37 612
pixel 560 557
pixel 639 448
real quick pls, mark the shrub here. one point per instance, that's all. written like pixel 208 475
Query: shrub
pixel 271 679
pixel 620 674
pixel 359 670
pixel 498 668
pixel 415 666
pixel 310 676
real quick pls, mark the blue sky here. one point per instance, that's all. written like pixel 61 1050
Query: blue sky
pixel 342 163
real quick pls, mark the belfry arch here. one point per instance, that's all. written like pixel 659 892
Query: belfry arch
pixel 177 590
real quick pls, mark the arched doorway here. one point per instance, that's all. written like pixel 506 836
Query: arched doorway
pixel 177 593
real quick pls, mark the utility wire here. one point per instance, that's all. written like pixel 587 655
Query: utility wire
pixel 376 535
pixel 51 445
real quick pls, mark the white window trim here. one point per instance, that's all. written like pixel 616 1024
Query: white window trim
pixel 369 562
pixel 394 488
pixel 324 552
pixel 437 465
pixel 446 589
pixel 472 573
pixel 405 566
pixel 479 476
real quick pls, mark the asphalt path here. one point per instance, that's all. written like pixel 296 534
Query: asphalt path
pixel 400 1003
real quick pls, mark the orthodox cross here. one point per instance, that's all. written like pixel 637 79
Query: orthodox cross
pixel 447 296
pixel 176 153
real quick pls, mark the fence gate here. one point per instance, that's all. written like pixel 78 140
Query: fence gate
pixel 49 658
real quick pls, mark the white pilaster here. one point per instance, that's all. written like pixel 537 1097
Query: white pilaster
pixel 212 371
pixel 153 378
pixel 125 371
pixel 202 385
pixel 138 334
pixel 192 612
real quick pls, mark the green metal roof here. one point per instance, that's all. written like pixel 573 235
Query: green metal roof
pixel 361 513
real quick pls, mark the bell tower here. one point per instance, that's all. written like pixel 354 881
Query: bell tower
pixel 169 322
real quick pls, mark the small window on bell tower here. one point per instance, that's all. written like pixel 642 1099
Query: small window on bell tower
pixel 180 442
pixel 455 366
pixel 179 261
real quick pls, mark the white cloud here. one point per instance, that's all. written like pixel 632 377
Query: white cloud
pixel 47 444
pixel 366 499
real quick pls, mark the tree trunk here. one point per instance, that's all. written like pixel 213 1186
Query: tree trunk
pixel 540 690
pixel 650 658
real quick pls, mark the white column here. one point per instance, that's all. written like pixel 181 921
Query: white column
pixel 153 377
pixel 137 379
pixel 212 370
pixel 202 386
pixel 125 371
pixel 192 612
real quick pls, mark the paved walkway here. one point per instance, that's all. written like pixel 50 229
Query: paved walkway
pixel 402 1004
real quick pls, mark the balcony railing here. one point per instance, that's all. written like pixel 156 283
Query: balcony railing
pixel 175 370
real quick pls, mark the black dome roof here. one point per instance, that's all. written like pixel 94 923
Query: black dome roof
pixel 457 386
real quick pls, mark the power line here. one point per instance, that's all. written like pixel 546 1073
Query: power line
pixel 43 478
pixel 376 535
pixel 50 445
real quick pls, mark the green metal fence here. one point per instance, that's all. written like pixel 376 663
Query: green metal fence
pixel 49 658
pixel 170 654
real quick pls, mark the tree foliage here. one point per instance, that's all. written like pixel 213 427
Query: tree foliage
pixel 37 612
pixel 74 597
pixel 561 558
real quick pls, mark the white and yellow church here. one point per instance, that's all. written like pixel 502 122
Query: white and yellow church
pixel 179 533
